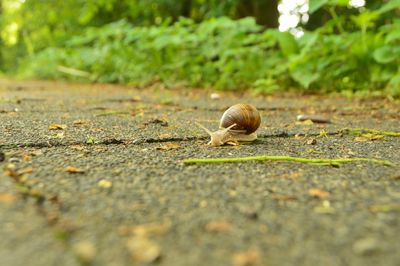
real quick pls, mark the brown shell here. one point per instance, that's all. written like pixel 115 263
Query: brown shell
pixel 245 116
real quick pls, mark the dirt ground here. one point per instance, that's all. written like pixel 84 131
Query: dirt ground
pixel 94 175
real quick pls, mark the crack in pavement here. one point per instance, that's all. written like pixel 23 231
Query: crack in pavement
pixel 139 141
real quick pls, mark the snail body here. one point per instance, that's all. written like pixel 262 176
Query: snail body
pixel 239 123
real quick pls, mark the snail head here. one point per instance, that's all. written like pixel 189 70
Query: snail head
pixel 218 137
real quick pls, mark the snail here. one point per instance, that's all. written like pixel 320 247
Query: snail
pixel 238 124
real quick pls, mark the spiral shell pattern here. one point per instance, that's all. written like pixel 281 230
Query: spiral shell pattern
pixel 245 116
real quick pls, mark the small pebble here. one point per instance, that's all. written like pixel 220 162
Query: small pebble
pixel 366 246
pixel 14 160
pixel 313 118
pixel 104 183
pixel 311 142
pixel 215 96
pixel 143 250
pixel 85 251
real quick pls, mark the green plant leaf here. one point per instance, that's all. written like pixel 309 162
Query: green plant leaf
pixel 392 4
pixel 393 35
pixel 314 5
pixel 304 77
pixel 286 41
pixel 386 54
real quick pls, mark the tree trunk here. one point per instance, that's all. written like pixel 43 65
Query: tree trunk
pixel 265 11
pixel 317 19
pixel 186 8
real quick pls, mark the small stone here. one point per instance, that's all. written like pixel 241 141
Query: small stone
pixel 215 96
pixel 14 160
pixel 203 204
pixel 85 251
pixel 313 118
pixel 143 250
pixel 366 246
pixel 299 136
pixel 104 183
pixel 324 208
pixel 311 141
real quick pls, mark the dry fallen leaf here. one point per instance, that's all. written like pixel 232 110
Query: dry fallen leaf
pixel 57 136
pixel 169 146
pixel 218 226
pixel 318 193
pixel 145 229
pixel 7 198
pixel 74 170
pixel 143 250
pixel 80 122
pixel 165 136
pixel 360 139
pixel 246 258
pixel 57 127
pixel 96 130
pixel 10 170
pixel 26 170
pixel 77 147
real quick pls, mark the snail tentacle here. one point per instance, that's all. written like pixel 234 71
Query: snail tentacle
pixel 239 123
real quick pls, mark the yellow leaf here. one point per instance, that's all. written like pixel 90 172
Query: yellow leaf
pixel 164 136
pixel 318 193
pixel 79 122
pixel 74 170
pixel 218 226
pixel 57 127
pixel 169 146
pixel 246 258
pixel 7 198
pixel 360 139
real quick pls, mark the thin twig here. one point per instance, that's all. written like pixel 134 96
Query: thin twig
pixel 318 161
pixel 359 131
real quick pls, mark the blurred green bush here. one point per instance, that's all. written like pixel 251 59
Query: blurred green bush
pixel 350 53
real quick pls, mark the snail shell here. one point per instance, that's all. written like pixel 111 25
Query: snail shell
pixel 238 123
pixel 245 116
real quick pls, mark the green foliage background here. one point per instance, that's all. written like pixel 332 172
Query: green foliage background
pixel 142 42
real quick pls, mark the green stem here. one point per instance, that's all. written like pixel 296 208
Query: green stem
pixel 318 161
pixel 332 11
pixel 359 131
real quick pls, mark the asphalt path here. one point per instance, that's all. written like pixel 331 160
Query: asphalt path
pixel 94 175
